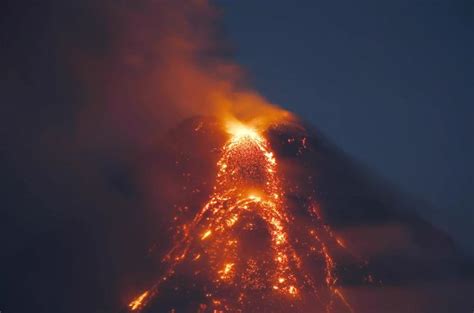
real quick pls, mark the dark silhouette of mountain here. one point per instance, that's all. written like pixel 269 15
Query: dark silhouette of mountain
pixel 393 261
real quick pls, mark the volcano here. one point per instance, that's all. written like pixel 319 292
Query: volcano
pixel 279 220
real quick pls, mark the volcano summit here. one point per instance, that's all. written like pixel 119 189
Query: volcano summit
pixel 277 233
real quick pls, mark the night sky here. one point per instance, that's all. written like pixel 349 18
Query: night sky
pixel 390 82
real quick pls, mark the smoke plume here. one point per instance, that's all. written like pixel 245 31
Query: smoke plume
pixel 160 62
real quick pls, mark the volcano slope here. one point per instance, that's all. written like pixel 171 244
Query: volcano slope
pixel 283 221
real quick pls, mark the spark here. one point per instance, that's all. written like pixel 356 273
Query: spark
pixel 206 234
pixel 226 271
pixel 138 302
pixel 292 290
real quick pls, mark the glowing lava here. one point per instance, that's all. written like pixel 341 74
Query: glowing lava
pixel 248 193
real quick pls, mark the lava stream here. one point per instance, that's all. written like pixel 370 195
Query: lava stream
pixel 248 191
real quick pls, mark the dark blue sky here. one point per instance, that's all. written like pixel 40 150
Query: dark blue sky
pixel 390 82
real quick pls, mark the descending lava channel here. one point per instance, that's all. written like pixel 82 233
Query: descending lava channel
pixel 247 199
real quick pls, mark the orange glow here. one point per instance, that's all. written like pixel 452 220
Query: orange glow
pixel 239 130
pixel 138 302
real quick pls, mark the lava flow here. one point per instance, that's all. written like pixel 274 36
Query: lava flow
pixel 248 197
